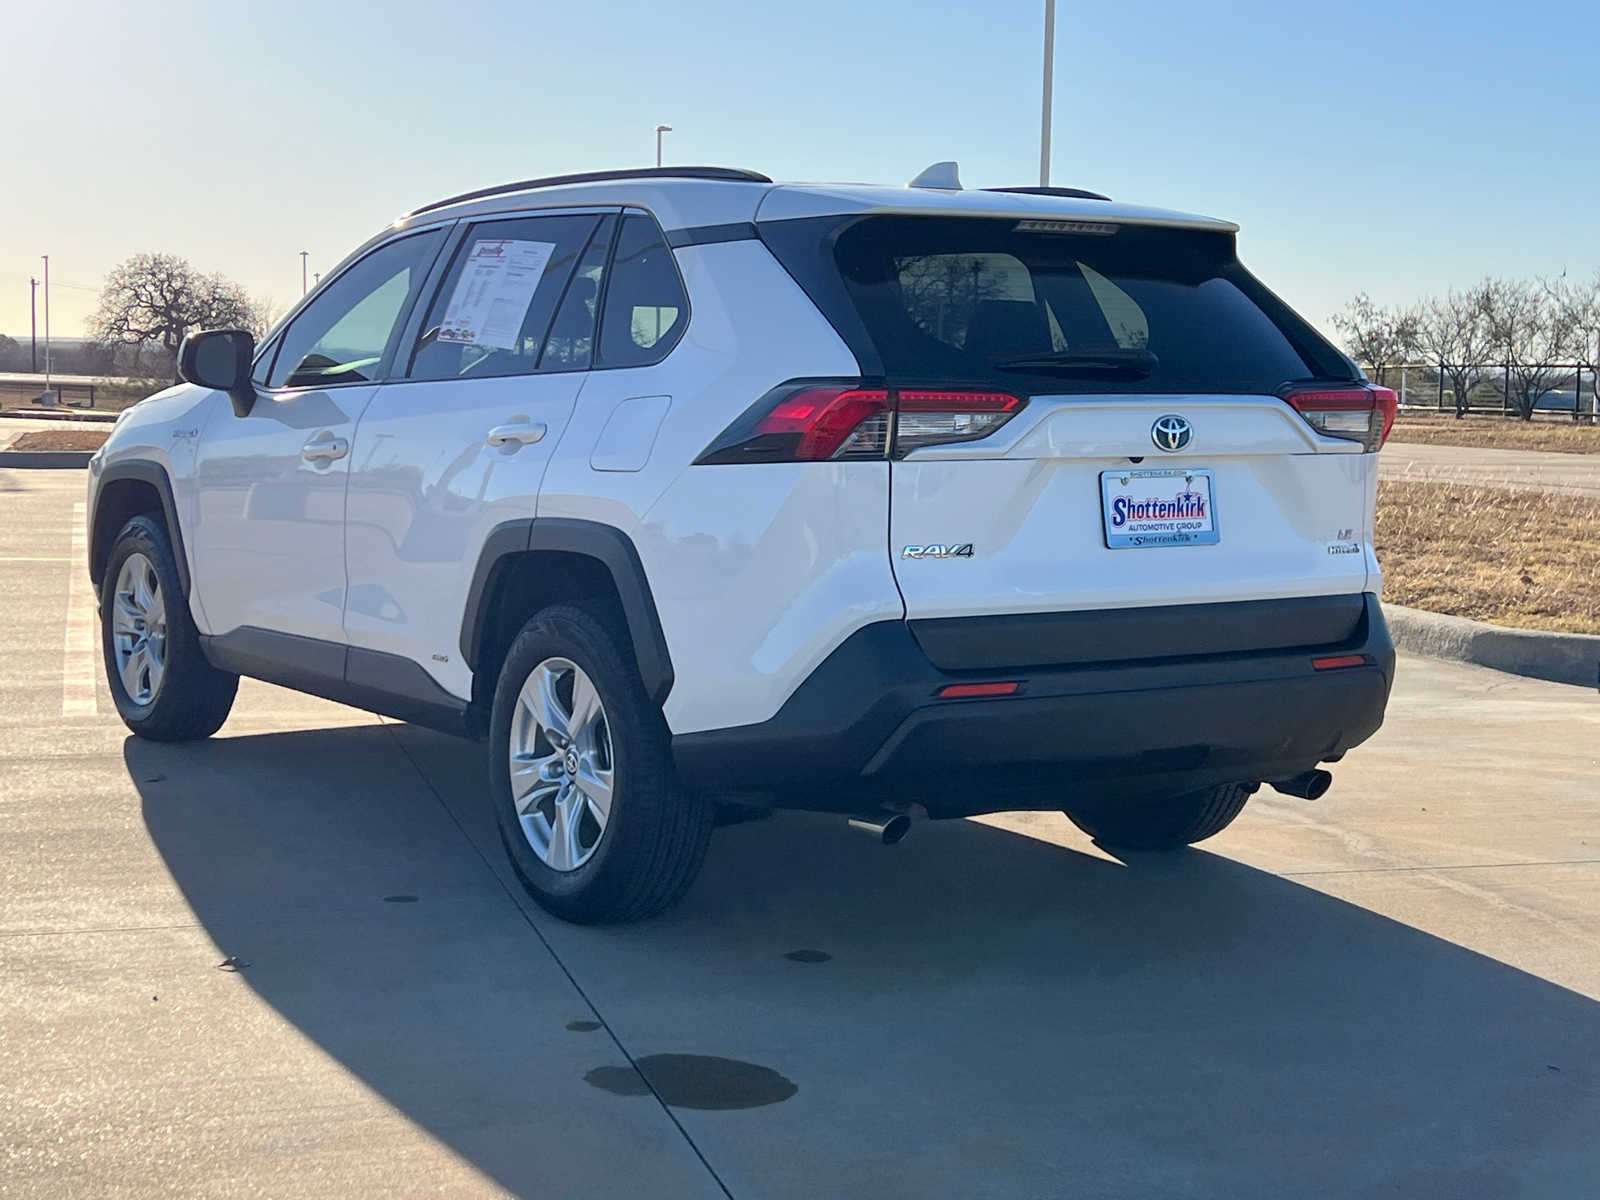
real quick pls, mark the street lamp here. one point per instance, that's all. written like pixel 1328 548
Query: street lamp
pixel 49 396
pixel 303 288
pixel 1049 91
pixel 660 129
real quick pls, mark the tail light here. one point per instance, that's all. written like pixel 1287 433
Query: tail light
pixel 1359 414
pixel 821 421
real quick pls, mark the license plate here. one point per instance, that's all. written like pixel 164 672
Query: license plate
pixel 1170 506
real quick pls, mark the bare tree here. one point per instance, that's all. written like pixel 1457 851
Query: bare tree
pixel 1374 336
pixel 1532 333
pixel 154 299
pixel 1453 332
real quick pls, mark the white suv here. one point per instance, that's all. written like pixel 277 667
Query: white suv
pixel 694 493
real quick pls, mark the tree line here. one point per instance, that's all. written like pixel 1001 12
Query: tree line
pixel 1532 333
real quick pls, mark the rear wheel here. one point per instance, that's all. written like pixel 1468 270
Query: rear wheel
pixel 164 688
pixel 1164 824
pixel 588 804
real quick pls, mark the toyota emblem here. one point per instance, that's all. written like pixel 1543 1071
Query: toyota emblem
pixel 1171 432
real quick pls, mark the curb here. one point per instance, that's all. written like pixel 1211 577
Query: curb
pixel 1559 657
pixel 61 414
pixel 56 459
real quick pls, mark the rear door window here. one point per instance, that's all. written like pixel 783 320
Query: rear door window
pixel 1005 303
pixel 492 314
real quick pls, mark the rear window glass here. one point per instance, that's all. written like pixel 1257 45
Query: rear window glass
pixel 1134 309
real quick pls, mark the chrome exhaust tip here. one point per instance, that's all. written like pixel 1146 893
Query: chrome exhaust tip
pixel 1310 786
pixel 885 824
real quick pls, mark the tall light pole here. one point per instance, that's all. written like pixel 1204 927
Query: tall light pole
pixel 303 288
pixel 33 326
pixel 660 129
pixel 1049 90
pixel 49 396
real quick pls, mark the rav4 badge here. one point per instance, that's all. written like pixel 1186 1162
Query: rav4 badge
pixel 964 550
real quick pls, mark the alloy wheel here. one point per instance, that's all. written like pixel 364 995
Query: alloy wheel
pixel 139 629
pixel 562 771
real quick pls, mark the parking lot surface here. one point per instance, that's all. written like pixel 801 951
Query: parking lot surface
pixel 290 961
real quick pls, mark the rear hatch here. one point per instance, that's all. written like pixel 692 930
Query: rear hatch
pixel 1093 415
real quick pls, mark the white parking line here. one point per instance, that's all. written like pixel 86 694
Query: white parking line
pixel 82 648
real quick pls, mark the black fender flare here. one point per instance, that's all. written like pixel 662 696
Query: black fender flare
pixel 609 546
pixel 156 476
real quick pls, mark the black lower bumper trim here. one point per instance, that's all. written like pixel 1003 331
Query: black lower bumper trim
pixel 868 723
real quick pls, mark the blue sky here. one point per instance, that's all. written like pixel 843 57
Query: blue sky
pixel 1395 148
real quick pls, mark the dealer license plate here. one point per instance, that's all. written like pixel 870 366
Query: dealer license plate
pixel 1170 506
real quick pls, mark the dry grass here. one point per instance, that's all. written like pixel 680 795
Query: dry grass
pixel 1561 434
pixel 62 439
pixel 1526 559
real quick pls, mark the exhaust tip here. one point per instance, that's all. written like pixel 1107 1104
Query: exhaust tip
pixel 1310 786
pixel 884 824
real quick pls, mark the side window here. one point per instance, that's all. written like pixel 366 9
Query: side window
pixel 342 335
pixel 492 311
pixel 570 346
pixel 646 308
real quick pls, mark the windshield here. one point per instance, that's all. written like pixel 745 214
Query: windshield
pixel 1011 304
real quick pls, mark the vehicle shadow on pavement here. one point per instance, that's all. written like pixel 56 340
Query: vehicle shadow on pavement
pixel 986 1014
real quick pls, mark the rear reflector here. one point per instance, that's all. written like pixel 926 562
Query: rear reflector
pixel 839 420
pixel 1339 662
pixel 959 691
pixel 1359 414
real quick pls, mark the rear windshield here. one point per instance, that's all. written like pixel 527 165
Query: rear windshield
pixel 1007 303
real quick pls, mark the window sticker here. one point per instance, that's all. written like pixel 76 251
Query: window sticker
pixel 494 291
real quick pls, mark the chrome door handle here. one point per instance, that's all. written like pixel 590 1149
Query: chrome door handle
pixel 522 434
pixel 323 448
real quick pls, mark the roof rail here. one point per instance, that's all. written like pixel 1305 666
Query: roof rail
pixel 728 174
pixel 1070 193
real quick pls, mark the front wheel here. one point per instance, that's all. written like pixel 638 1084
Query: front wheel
pixel 587 801
pixel 164 688
pixel 1164 824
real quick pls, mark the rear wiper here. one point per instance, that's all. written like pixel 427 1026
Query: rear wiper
pixel 1096 360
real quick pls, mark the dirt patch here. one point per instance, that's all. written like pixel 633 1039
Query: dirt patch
pixel 62 439
pixel 1562 435
pixel 1524 559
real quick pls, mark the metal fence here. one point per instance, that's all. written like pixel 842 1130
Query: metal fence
pixel 1574 391
pixel 19 393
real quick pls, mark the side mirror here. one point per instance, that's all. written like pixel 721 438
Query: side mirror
pixel 220 359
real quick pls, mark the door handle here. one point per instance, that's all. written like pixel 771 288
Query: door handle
pixel 324 448
pixel 523 434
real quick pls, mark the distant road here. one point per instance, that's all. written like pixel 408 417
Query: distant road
pixel 1519 470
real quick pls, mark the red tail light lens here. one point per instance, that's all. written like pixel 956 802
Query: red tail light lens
pixel 830 422
pixel 1359 414
pixel 823 420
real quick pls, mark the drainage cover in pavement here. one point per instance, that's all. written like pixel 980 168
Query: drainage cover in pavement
pixel 696 1081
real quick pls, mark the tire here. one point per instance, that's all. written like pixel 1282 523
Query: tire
pixel 1168 823
pixel 164 688
pixel 582 860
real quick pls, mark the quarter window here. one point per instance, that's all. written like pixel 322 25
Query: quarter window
pixel 342 335
pixel 646 308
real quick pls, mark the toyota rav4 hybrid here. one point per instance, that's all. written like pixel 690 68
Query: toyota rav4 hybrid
pixel 693 493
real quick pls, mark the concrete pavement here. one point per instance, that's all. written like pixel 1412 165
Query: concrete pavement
pixel 1391 991
pixel 1520 470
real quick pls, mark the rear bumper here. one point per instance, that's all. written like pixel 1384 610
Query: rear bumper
pixel 868 724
